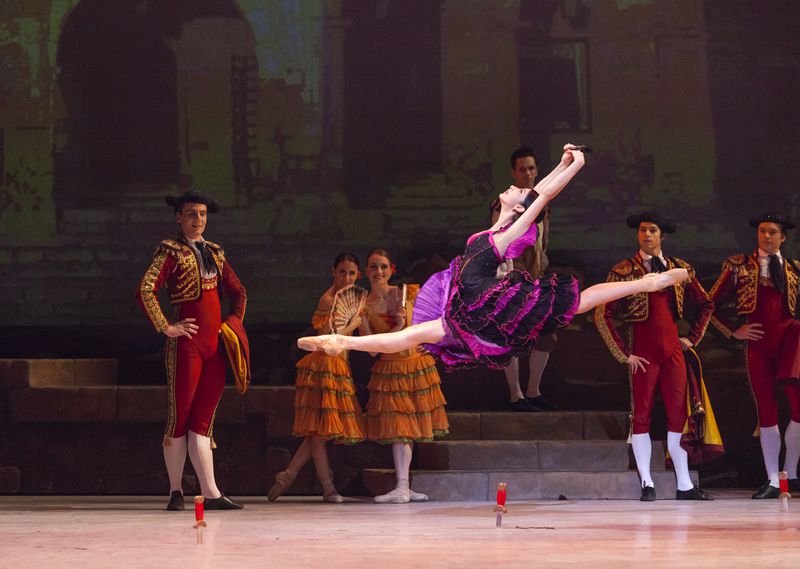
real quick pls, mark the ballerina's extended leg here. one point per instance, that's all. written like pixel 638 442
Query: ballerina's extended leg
pixel 389 343
pixel 602 293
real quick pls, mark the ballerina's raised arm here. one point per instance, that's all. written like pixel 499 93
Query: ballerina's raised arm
pixel 571 162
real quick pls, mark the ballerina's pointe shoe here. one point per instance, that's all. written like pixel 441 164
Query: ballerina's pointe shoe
pixel 331 344
pixel 309 343
pixel 417 496
pixel 400 495
pixel 656 281
pixel 283 480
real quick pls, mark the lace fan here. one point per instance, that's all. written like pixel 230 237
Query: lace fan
pixel 347 303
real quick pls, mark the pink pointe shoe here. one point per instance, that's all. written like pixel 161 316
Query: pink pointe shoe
pixel 656 281
pixel 331 344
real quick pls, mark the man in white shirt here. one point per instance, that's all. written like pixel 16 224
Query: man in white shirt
pixel 764 286
pixel 654 349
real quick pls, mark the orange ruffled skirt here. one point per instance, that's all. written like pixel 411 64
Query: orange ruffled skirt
pixel 325 401
pixel 405 400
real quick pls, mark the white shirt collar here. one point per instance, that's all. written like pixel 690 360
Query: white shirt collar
pixel 763 261
pixel 646 258
pixel 764 255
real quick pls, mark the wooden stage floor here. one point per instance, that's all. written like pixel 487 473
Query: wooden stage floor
pixel 93 532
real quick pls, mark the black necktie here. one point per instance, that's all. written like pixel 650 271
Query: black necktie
pixel 656 266
pixel 776 273
pixel 206 256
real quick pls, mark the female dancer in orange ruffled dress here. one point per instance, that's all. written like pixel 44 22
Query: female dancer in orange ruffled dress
pixel 325 401
pixel 405 404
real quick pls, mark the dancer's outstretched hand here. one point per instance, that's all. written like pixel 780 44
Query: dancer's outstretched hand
pixel 636 363
pixel 572 154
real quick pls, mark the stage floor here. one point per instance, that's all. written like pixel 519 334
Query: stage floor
pixel 88 532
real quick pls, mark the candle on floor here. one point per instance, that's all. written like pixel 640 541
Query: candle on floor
pixel 199 513
pixel 500 506
pixel 783 481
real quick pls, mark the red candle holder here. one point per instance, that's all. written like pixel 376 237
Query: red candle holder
pixel 501 498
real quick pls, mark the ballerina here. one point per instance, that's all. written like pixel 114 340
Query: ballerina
pixel 468 317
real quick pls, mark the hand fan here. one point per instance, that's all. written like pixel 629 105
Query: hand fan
pixel 347 303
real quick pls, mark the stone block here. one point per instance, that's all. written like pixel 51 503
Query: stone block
pixel 29 256
pixel 479 455
pixel 96 371
pixel 231 409
pixel 142 404
pixel 63 405
pixel 597 485
pixel 64 295
pixel 84 216
pixel 279 416
pixel 57 372
pixel 261 400
pixel 563 425
pixel 464 426
pixel 457 486
pixel 51 372
pixel 583 455
pixel 70 255
pixel 440 486
pixel 605 425
pixel 10 480
pixel 13 373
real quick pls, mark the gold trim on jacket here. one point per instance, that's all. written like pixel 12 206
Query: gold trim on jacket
pixel 739 278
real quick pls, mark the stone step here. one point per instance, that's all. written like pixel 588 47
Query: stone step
pixel 145 405
pixel 576 455
pixel 557 425
pixel 35 373
pixel 481 485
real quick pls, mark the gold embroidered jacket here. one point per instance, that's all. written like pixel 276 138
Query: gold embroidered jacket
pixel 636 308
pixel 175 263
pixel 739 280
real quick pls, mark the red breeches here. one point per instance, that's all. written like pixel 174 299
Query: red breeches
pixel 670 377
pixel 196 369
pixel 775 358
pixel 656 340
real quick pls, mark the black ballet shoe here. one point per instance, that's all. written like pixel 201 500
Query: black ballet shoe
pixel 543 403
pixel 524 405
pixel 175 501
pixel 222 503
pixel 766 492
pixel 695 493
pixel 648 494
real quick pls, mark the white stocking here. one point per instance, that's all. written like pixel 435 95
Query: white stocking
pixel 680 461
pixel 792 440
pixel 512 378
pixel 536 368
pixel 175 459
pixel 402 452
pixel 771 448
pixel 642 450
pixel 203 461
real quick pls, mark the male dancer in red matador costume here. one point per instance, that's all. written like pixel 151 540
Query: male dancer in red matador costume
pixel 197 275
pixel 764 285
pixel 654 353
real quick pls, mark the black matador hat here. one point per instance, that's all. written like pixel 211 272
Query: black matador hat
pixel 192 196
pixel 664 224
pixel 772 217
